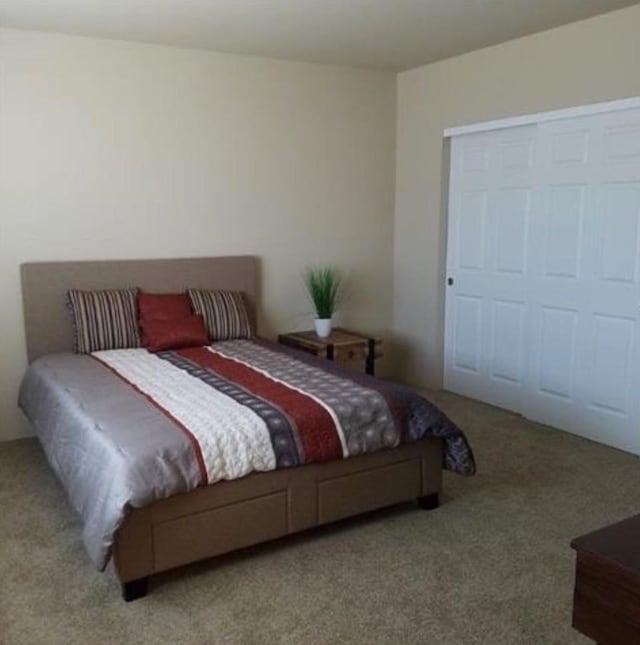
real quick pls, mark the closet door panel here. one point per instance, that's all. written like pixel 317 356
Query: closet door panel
pixel 563 231
pixel 588 267
pixel 508 333
pixel 611 380
pixel 467 340
pixel 467 252
pixel 556 293
pixel 491 201
pixel 472 230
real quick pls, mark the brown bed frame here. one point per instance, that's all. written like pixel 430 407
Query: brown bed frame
pixel 229 515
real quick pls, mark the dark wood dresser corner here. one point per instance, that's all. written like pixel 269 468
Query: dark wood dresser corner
pixel 606 601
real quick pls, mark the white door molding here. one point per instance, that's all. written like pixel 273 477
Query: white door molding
pixel 542 117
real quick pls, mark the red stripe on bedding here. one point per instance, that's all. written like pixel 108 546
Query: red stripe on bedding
pixel 204 479
pixel 316 429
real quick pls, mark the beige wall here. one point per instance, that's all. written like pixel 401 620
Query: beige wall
pixel 591 61
pixel 118 150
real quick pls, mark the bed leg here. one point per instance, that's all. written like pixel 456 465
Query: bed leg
pixel 135 589
pixel 429 502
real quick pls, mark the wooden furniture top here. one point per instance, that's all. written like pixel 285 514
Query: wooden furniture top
pixel 618 544
pixel 338 337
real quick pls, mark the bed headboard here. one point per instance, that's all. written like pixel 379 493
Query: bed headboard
pixel 47 321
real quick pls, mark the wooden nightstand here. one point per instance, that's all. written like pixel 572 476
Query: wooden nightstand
pixel 343 346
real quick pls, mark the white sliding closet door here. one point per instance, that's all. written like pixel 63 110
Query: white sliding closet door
pixel 543 313
pixel 585 294
pixel 491 199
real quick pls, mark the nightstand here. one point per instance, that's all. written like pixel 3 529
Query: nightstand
pixel 343 346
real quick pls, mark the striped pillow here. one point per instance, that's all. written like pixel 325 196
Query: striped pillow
pixel 224 312
pixel 104 319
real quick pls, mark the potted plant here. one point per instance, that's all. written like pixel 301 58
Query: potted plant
pixel 323 286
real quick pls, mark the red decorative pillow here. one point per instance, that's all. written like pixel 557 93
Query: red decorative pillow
pixel 163 306
pixel 174 334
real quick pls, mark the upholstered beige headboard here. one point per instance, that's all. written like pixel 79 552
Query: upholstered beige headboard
pixel 47 320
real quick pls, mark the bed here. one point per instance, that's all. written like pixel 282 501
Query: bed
pixel 148 510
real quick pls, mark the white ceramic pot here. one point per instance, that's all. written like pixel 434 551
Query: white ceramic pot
pixel 323 327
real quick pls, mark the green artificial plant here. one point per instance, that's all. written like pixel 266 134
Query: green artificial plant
pixel 323 286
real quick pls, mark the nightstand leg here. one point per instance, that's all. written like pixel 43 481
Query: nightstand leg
pixel 371 357
pixel 330 351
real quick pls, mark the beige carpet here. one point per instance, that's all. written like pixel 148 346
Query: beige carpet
pixel 491 565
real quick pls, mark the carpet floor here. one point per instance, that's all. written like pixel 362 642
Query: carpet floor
pixel 491 565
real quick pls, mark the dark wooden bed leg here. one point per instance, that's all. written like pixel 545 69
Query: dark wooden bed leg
pixel 429 502
pixel 135 589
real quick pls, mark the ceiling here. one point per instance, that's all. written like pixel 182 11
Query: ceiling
pixel 380 34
